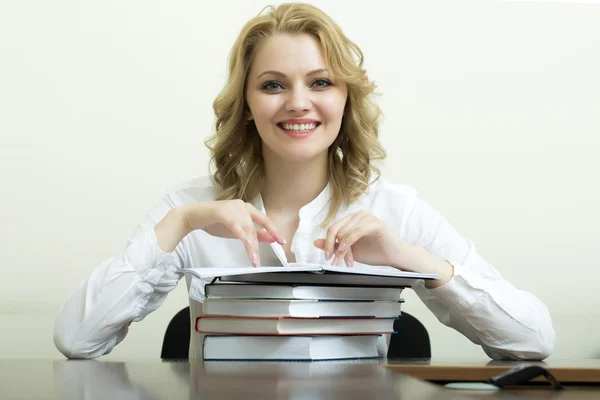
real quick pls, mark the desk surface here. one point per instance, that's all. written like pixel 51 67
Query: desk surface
pixel 565 371
pixel 32 379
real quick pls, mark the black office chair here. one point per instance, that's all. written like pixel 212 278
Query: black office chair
pixel 411 341
pixel 177 337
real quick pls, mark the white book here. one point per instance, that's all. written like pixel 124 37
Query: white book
pixel 301 308
pixel 314 274
pixel 252 291
pixel 230 325
pixel 289 348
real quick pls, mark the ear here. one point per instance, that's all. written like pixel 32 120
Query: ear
pixel 248 116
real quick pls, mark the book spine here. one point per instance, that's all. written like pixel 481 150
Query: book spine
pixel 198 318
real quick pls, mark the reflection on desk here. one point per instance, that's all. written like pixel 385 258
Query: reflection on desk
pixel 366 379
pixel 81 379
pixel 96 380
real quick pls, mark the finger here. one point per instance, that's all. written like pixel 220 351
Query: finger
pixel 367 226
pixel 265 237
pixel 353 224
pixel 339 256
pixel 240 233
pixel 330 238
pixel 265 222
pixel 349 227
pixel 236 229
pixel 349 258
pixel 320 244
pixel 246 232
pixel 253 236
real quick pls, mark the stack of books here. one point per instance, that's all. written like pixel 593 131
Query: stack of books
pixel 302 312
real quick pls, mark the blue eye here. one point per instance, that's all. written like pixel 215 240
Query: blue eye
pixel 322 83
pixel 272 86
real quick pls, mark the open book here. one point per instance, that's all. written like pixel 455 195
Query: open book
pixel 313 274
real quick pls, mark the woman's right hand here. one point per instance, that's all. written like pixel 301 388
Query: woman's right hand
pixel 232 219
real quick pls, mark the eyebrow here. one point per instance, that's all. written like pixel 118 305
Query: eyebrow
pixel 278 73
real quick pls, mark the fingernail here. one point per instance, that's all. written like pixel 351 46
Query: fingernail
pixel 327 256
pixel 248 239
pixel 351 263
pixel 282 241
pixel 335 261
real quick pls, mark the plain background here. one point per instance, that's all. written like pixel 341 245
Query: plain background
pixel 491 111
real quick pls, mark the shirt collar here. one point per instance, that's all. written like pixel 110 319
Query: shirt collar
pixel 307 212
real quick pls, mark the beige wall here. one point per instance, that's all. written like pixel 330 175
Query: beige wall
pixel 492 112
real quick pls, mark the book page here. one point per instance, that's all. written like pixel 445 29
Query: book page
pixel 379 271
pixel 203 273
pixel 208 273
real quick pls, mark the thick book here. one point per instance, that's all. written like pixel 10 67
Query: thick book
pixel 301 308
pixel 236 325
pixel 240 290
pixel 289 348
pixel 314 274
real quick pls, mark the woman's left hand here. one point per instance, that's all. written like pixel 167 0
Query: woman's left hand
pixel 361 237
pixel 364 238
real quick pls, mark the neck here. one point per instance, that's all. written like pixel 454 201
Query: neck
pixel 289 186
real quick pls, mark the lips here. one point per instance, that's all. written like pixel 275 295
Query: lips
pixel 298 131
pixel 299 127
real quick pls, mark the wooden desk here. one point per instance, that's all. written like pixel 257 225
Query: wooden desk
pixel 98 380
pixel 570 372
pixel 91 380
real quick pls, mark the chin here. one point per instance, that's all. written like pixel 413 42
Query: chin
pixel 301 155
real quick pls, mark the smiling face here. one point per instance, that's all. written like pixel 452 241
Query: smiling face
pixel 296 106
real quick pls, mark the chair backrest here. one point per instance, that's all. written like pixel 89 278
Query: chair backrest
pixel 176 343
pixel 410 341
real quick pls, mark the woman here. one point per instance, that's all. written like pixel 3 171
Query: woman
pixel 294 153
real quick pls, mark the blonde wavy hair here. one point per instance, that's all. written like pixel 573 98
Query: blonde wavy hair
pixel 235 148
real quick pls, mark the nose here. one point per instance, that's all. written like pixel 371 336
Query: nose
pixel 299 100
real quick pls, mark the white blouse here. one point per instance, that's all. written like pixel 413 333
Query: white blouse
pixel 507 322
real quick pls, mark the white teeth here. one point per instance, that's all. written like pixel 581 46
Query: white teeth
pixel 299 127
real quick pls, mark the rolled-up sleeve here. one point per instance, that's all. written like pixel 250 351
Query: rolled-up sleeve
pixel 122 290
pixel 507 322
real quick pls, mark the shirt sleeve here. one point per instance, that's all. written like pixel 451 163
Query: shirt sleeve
pixel 123 289
pixel 507 322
